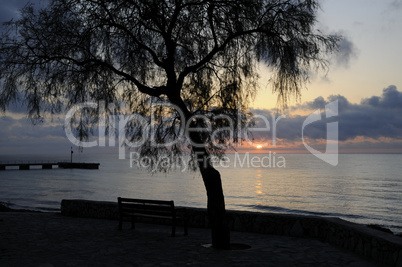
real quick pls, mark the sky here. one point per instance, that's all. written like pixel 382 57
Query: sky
pixel 365 77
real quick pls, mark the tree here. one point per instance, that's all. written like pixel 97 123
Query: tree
pixel 198 55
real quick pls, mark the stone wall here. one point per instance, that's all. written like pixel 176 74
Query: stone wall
pixel 381 247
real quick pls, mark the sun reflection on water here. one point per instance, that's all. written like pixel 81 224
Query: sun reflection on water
pixel 258 183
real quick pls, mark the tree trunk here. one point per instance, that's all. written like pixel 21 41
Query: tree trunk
pixel 216 203
pixel 212 181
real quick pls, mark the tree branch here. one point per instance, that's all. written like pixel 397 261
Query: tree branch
pixel 213 52
pixel 112 22
pixel 156 91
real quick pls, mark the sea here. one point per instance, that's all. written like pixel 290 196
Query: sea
pixel 362 188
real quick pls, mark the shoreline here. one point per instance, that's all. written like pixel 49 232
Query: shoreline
pixel 4 207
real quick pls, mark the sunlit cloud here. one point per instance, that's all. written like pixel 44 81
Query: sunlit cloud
pixel 374 124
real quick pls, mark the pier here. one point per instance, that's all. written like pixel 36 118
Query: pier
pixel 49 165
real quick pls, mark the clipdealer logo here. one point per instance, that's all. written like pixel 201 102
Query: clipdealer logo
pixel 330 155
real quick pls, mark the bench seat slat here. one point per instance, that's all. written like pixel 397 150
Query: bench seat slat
pixel 129 207
pixel 152 216
pixel 147 201
pixel 147 212
pixel 147 207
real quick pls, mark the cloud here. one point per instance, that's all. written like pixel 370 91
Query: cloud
pixel 374 123
pixel 10 9
pixel 18 134
pixel 22 128
pixel 391 17
pixel 396 4
pixel 17 106
pixel 390 99
pixel 346 53
pixel 374 118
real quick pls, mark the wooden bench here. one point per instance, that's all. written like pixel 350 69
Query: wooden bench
pixel 158 209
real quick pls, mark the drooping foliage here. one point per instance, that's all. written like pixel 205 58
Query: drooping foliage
pixel 200 55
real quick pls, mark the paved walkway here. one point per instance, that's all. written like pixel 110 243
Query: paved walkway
pixel 47 239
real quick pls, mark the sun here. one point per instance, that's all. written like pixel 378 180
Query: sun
pixel 259 146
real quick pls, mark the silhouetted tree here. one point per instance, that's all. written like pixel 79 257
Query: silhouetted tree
pixel 199 55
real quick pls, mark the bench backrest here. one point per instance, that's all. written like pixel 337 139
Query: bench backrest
pixel 145 206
